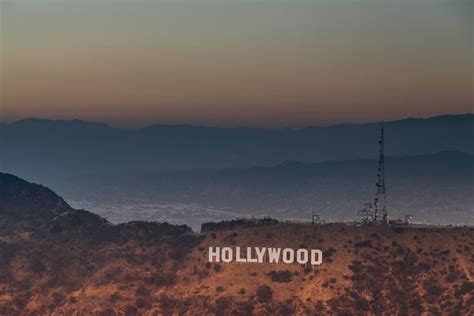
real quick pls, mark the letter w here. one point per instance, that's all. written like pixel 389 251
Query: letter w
pixel 274 255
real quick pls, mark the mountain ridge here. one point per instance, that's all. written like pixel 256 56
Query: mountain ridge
pixel 62 149
pixel 436 118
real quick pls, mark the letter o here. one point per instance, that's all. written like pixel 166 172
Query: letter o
pixel 302 256
pixel 226 254
pixel 288 255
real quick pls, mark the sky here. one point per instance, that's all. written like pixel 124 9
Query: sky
pixel 263 63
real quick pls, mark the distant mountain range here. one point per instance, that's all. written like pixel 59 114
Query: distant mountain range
pixel 43 149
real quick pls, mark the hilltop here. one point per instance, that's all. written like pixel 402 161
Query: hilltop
pixel 64 261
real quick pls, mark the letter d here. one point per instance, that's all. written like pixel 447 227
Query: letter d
pixel 316 257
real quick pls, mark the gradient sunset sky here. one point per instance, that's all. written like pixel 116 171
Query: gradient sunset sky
pixel 235 63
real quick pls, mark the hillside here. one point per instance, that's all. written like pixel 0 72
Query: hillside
pixel 93 267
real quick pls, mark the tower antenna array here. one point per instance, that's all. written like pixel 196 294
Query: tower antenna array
pixel 380 201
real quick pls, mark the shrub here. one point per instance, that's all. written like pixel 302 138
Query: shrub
pixel 141 303
pixel 106 312
pixel 167 304
pixel 432 288
pixel 38 267
pixel 264 293
pixel 280 276
pixel 131 310
pixel 361 304
pixel 142 291
pixel 466 287
pixel 451 277
pixel 222 304
pixel 329 252
pixel 182 244
pixel 58 299
pixel 364 244
pixel 319 306
pixel 245 308
pixel 115 297
pixel 286 308
pixel 164 279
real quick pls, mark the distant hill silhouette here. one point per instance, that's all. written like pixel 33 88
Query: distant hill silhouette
pixel 47 149
pixel 19 198
pixel 36 208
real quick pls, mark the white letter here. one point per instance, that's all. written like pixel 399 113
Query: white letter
pixel 302 256
pixel 226 254
pixel 214 254
pixel 319 253
pixel 249 255
pixel 274 255
pixel 288 255
pixel 260 253
pixel 237 255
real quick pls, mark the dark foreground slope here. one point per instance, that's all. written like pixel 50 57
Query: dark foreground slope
pixel 62 261
pixel 54 258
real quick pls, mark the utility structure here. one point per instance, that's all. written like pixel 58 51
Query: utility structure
pixel 366 215
pixel 316 219
pixel 380 200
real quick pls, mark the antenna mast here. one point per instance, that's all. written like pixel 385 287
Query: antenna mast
pixel 380 203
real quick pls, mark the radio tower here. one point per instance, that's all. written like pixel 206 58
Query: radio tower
pixel 380 207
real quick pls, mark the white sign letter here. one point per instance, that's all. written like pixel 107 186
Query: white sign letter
pixel 288 255
pixel 302 256
pixel 214 254
pixel 249 255
pixel 260 253
pixel 316 257
pixel 237 255
pixel 226 254
pixel 274 255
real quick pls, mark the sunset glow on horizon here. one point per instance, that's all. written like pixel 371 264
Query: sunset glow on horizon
pixel 235 63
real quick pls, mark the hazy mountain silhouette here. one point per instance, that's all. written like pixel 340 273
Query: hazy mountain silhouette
pixel 47 149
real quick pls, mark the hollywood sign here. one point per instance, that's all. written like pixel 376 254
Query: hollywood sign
pixel 266 255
